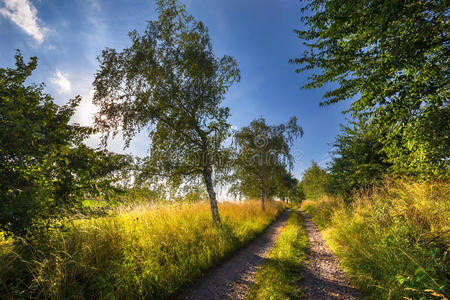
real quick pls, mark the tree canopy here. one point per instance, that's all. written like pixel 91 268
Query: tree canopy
pixel 45 169
pixel 392 59
pixel 264 158
pixel 315 182
pixel 170 83
pixel 358 158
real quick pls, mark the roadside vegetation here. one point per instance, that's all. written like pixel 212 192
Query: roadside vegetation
pixel 383 198
pixel 393 240
pixel 280 275
pixel 139 253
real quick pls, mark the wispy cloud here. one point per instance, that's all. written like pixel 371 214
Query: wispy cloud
pixel 61 83
pixel 24 14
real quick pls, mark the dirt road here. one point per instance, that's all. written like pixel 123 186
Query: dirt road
pixel 232 279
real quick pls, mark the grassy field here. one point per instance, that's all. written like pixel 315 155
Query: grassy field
pixel 393 240
pixel 137 253
pixel 280 274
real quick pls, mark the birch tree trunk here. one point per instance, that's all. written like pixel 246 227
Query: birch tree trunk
pixel 207 176
pixel 261 177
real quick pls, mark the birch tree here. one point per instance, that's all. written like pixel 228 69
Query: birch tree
pixel 170 83
pixel 263 154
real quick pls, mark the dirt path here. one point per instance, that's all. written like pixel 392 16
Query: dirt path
pixel 233 279
pixel 323 278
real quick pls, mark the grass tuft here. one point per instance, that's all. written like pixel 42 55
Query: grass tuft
pixel 280 274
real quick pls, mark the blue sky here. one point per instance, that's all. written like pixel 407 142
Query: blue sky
pixel 67 36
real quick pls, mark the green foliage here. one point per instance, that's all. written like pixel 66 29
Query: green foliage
pixel 45 169
pixel 169 82
pixel 322 209
pixel 264 159
pixel 285 186
pixel 392 59
pixel 315 182
pixel 280 274
pixel 144 252
pixel 358 161
pixel 393 240
pixel 298 194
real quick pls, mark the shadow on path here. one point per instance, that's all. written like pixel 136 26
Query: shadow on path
pixel 232 279
pixel 323 278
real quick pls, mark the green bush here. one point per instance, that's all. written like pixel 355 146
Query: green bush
pixel 45 169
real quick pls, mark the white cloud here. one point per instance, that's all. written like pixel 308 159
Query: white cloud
pixel 61 83
pixel 24 14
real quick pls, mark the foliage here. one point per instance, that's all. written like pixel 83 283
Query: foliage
pixel 315 182
pixel 392 59
pixel 285 186
pixel 264 158
pixel 393 240
pixel 169 82
pixel 139 253
pixel 358 160
pixel 44 167
pixel 280 274
pixel 298 194
pixel 322 209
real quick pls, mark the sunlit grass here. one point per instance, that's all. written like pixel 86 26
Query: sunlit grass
pixel 280 274
pixel 141 252
pixel 394 240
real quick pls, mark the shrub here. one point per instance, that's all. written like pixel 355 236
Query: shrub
pixel 45 169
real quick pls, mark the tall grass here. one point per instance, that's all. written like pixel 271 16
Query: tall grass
pixel 145 252
pixel 280 274
pixel 393 240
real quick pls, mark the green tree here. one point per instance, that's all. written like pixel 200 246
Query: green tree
pixel 392 59
pixel 44 167
pixel 299 194
pixel 285 186
pixel 263 156
pixel 359 160
pixel 315 182
pixel 169 82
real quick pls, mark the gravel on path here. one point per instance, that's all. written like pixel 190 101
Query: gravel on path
pixel 323 278
pixel 232 279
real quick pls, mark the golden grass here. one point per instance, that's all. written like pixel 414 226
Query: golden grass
pixel 392 240
pixel 138 253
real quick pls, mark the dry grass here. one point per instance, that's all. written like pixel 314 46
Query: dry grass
pixel 393 240
pixel 138 253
